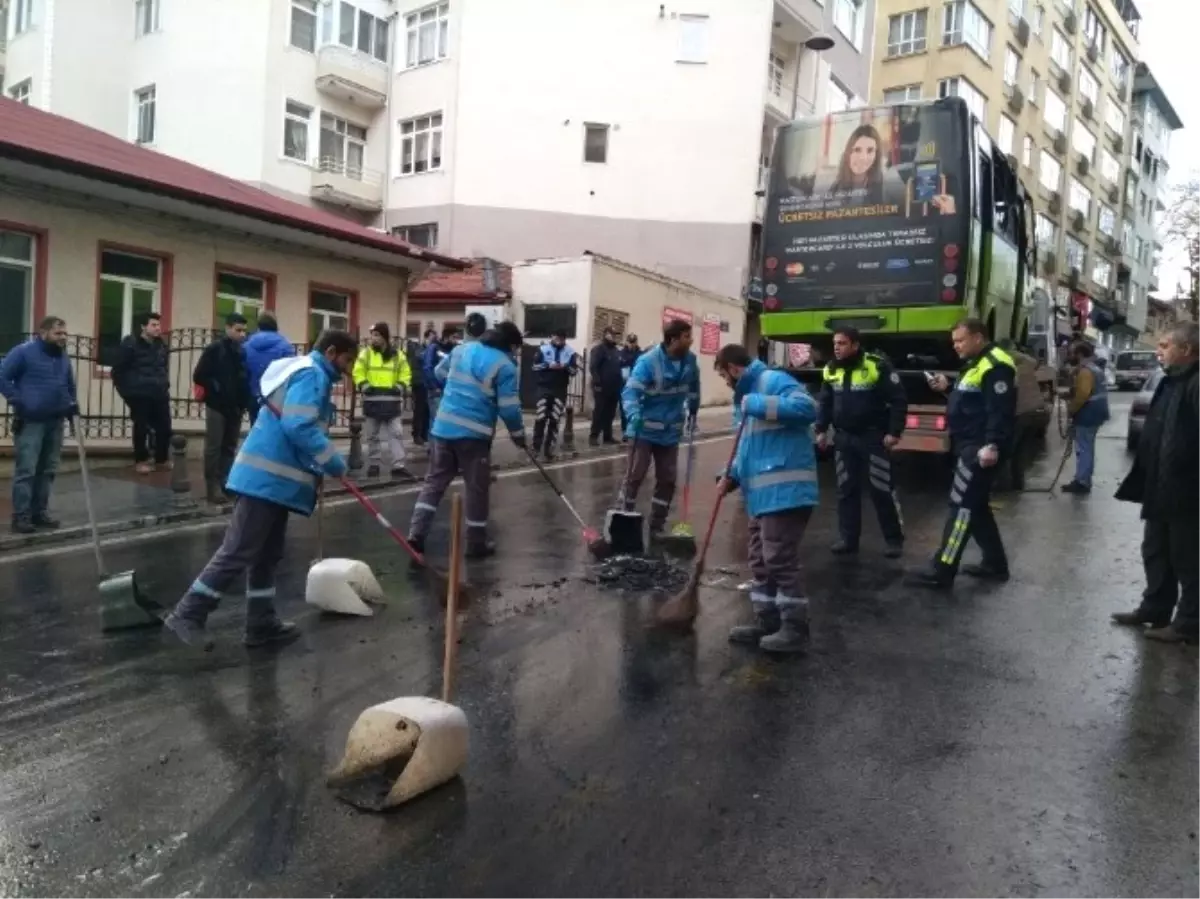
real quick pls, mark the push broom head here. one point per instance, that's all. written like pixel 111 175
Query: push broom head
pixel 680 611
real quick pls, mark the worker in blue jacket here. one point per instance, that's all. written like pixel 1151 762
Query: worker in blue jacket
pixel 262 348
pixel 435 353
pixel 661 398
pixel 555 365
pixel 276 473
pixel 776 470
pixel 481 386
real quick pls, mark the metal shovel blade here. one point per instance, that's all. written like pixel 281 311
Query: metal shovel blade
pixel 123 606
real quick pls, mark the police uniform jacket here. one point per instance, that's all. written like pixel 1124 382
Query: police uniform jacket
pixel 862 395
pixel 983 401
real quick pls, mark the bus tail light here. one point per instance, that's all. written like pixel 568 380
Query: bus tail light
pixel 939 423
pixel 949 295
pixel 912 422
pixel 951 250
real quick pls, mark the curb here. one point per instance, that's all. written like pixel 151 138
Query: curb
pixel 196 511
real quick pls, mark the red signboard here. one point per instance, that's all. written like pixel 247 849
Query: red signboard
pixel 710 334
pixel 799 354
pixel 670 313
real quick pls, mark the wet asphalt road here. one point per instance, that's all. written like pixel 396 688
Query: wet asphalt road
pixel 995 741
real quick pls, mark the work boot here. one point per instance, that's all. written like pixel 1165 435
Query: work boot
pixel 792 636
pixel 22 524
pixel 893 551
pixel 766 622
pixel 843 548
pixel 190 632
pixel 480 548
pixel 593 441
pixel 610 441
pixel 143 468
pixel 275 631
pixel 372 471
pixel 403 473
pixel 1137 618
pixel 1170 634
pixel 1076 487
pixel 928 577
pixel 46 522
pixel 215 495
pixel 418 544
pixel 985 572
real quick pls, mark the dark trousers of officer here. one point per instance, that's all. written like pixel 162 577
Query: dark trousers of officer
pixel 970 516
pixel 551 405
pixel 420 421
pixel 860 457
pixel 447 459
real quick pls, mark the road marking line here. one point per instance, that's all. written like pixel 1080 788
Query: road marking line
pixel 207 524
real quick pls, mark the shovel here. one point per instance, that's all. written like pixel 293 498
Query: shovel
pixel 682 539
pixel 624 531
pixel 122 604
pixel 405 747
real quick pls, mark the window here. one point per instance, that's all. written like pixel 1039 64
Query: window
pixel 421 144
pixel 906 33
pixel 1083 141
pixel 1017 9
pixel 838 98
pixel 909 93
pixel 1119 68
pixel 775 67
pixel 1076 253
pixel 143 108
pixel 296 118
pixel 244 294
pixel 1101 271
pixel 1141 251
pixel 1006 134
pixel 1089 86
pixel 1054 113
pixel 1107 220
pixel 362 31
pixel 1094 33
pixel 1114 117
pixel 1050 172
pixel 1027 151
pixel 18 254
pixel 20 17
pixel 1039 19
pixel 304 25
pixel 1060 50
pixel 963 23
pixel 327 309
pixel 1035 87
pixel 418 235
pixel 541 321
pixel 595 143
pixel 1080 198
pixel 693 39
pixel 426 35
pixel 848 17
pixel 21 91
pixel 1046 233
pixel 343 146
pixel 1012 66
pixel 145 13
pixel 129 285
pixel 1127 237
pixel 961 87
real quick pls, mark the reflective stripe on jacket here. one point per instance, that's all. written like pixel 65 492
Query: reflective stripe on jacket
pixel 776 465
pixel 481 385
pixel 387 380
pixel 862 395
pixel 289 448
pixel 659 391
pixel 982 406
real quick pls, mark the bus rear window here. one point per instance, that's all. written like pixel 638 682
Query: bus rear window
pixel 1137 361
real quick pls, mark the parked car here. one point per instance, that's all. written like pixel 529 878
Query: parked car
pixel 1134 368
pixel 1141 405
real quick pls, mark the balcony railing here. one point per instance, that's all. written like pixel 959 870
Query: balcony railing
pixel 336 181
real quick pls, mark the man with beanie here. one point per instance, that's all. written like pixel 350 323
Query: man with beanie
pixel 383 376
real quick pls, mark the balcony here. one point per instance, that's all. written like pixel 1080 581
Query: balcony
pixel 781 104
pixel 352 77
pixel 336 183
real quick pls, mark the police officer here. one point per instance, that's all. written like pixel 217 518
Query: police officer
pixel 862 398
pixel 982 418
pixel 556 364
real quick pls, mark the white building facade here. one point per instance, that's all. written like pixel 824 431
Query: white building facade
pixel 502 128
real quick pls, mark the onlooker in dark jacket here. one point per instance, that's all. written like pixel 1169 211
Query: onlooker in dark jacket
pixel 435 351
pixel 263 347
pixel 1165 480
pixel 221 375
pixel 629 357
pixel 420 422
pixel 36 380
pixel 140 377
pixel 604 368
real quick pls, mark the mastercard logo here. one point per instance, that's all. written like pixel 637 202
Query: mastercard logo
pixel 795 268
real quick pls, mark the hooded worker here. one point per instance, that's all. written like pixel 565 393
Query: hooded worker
pixel 481 386
pixel 383 376
pixel 275 473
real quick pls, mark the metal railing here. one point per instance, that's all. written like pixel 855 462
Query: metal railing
pixel 332 166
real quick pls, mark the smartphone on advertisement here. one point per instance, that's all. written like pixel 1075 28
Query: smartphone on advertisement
pixel 927 183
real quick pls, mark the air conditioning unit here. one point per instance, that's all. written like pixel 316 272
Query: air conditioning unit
pixel 1064 82
pixel 1118 143
pixel 1049 264
pixel 1016 99
pixel 1114 194
pixel 1113 246
pixel 1073 279
pixel 1071 23
pixel 1060 143
pixel 1078 221
pixel 1055 204
pixel 1093 53
pixel 1023 33
pixel 1087 109
pixel 1083 165
pixel 1012 161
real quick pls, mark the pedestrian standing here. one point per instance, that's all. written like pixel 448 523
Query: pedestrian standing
pixel 276 473
pixel 982 421
pixel 604 367
pixel 475 327
pixel 1165 481
pixel 140 377
pixel 553 369
pixel 420 417
pixel 630 353
pixel 481 386
pixel 1088 406
pixel 222 378
pixel 37 381
pixel 384 378
pixel 661 398
pixel 776 470
pixel 435 352
pixel 263 347
pixel 864 401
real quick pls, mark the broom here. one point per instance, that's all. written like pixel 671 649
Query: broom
pixel 596 544
pixel 681 610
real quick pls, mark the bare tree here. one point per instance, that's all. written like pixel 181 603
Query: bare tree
pixel 1181 229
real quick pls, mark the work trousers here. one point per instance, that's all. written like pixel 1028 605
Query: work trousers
pixel 221 432
pixel 1085 454
pixel 551 405
pixel 858 458
pixel 37 448
pixel 970 516
pixel 1172 572
pixel 392 430
pixel 151 418
pixel 448 458
pixel 420 422
pixel 253 546
pixel 774 555
pixel 603 412
pixel 666 470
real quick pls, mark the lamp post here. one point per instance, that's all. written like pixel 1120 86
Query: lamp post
pixel 818 43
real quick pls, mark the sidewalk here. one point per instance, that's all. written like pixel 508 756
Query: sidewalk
pixel 127 501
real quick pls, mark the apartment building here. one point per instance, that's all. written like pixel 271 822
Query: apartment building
pixel 1052 80
pixel 502 128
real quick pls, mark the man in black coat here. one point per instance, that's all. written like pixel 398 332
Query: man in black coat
pixel 1165 481
pixel 140 377
pixel 221 374
pixel 604 367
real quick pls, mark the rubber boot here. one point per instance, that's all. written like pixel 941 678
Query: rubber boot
pixel 263 625
pixel 479 546
pixel 792 636
pixel 417 543
pixel 766 622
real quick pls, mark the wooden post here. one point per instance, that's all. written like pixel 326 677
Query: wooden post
pixel 450 656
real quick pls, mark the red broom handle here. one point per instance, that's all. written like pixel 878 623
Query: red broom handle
pixel 387 525
pixel 712 521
